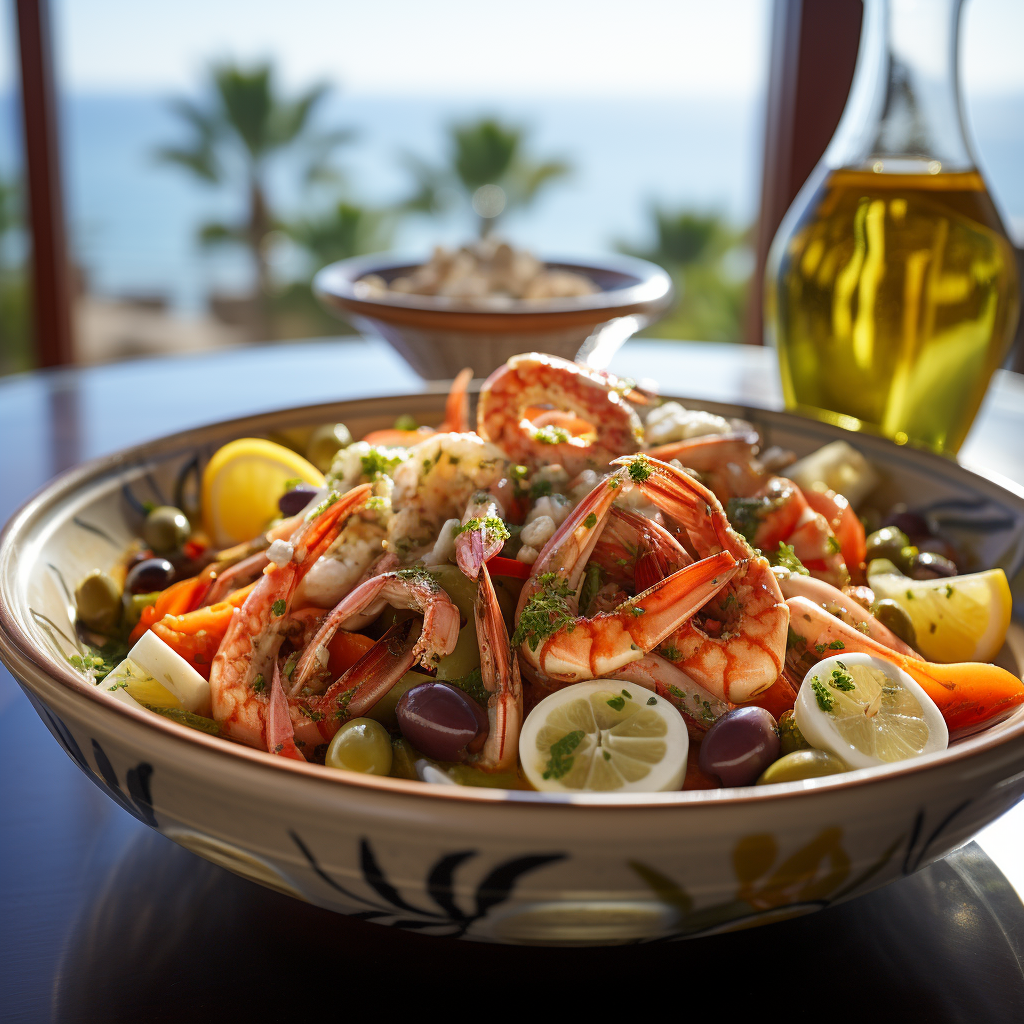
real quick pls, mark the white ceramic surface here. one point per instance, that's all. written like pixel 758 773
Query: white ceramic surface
pixel 488 864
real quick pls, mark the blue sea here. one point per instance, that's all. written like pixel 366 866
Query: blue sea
pixel 134 220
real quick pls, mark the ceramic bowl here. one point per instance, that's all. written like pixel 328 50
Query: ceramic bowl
pixel 439 336
pixel 517 867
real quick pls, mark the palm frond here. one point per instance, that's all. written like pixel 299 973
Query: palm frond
pixel 200 161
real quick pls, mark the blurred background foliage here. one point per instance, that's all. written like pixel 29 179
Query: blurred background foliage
pixel 15 349
pixel 243 134
pixel 490 169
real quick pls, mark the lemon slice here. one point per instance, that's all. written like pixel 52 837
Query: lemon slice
pixel 962 618
pixel 868 712
pixel 604 736
pixel 134 680
pixel 242 483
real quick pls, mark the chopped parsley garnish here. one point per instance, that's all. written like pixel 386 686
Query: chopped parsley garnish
pixel 259 684
pixel 492 525
pixel 910 595
pixel 639 469
pixel 377 503
pixel 406 422
pixel 949 590
pixel 279 606
pixel 672 653
pixel 323 506
pixel 840 680
pixel 342 700
pixel 560 762
pixel 606 755
pixel 590 588
pixel 313 716
pixel 551 435
pixel 472 684
pixel 546 612
pixel 825 699
pixel 291 484
pixel 636 611
pixel 415 575
pixel 591 521
pixel 746 514
pixel 787 558
pixel 835 645
pixel 540 488
pixel 123 685
pixel 380 462
pixel 616 703
pixel 794 639
pixel 833 545
pixel 99 662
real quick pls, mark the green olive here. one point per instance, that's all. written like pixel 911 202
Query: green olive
pixel 790 736
pixel 801 764
pixel 894 615
pixel 888 542
pixel 384 710
pixel 133 605
pixel 880 567
pixel 462 591
pixel 166 529
pixel 361 745
pixel 403 759
pixel 98 600
pixel 325 442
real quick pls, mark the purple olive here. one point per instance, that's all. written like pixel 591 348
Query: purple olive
pixel 940 547
pixel 913 524
pixel 930 565
pixel 149 576
pixel 740 746
pixel 441 721
pixel 292 502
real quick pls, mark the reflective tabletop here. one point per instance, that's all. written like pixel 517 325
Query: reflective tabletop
pixel 106 920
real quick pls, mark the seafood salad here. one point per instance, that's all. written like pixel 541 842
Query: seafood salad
pixel 580 589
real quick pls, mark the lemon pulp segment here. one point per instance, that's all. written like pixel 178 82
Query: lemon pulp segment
pixel 594 738
pixel 962 618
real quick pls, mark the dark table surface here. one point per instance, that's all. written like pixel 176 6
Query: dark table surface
pixel 102 919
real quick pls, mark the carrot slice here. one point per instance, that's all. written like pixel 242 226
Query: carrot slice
pixel 344 650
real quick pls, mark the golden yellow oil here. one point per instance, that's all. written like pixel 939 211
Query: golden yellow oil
pixel 893 301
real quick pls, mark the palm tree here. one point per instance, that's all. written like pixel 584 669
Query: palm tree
pixel 244 121
pixel 705 256
pixel 15 349
pixel 488 164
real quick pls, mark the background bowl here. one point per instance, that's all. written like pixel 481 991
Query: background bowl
pixel 489 864
pixel 439 336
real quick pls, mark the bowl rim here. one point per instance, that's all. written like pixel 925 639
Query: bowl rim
pixel 19 649
pixel 651 288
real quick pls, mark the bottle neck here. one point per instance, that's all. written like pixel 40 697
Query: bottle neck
pixel 903 115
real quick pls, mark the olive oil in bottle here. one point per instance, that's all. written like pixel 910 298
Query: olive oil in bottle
pixel 896 300
pixel 891 289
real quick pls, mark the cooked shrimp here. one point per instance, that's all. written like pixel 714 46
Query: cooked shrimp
pixel 414 589
pixel 499 672
pixel 593 399
pixel 560 646
pixel 967 693
pixel 770 509
pixel 482 533
pixel 456 418
pixel 436 482
pixel 343 564
pixel 844 607
pixel 738 647
pixel 246 657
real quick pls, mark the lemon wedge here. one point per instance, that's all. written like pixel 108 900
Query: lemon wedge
pixel 604 736
pixel 962 618
pixel 134 680
pixel 242 483
pixel 867 711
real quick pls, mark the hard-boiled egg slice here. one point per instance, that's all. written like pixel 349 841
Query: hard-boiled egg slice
pixel 867 711
pixel 170 669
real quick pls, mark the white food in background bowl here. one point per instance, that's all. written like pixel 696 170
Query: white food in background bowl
pixel 485 272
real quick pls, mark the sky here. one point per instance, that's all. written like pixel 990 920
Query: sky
pixel 530 48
